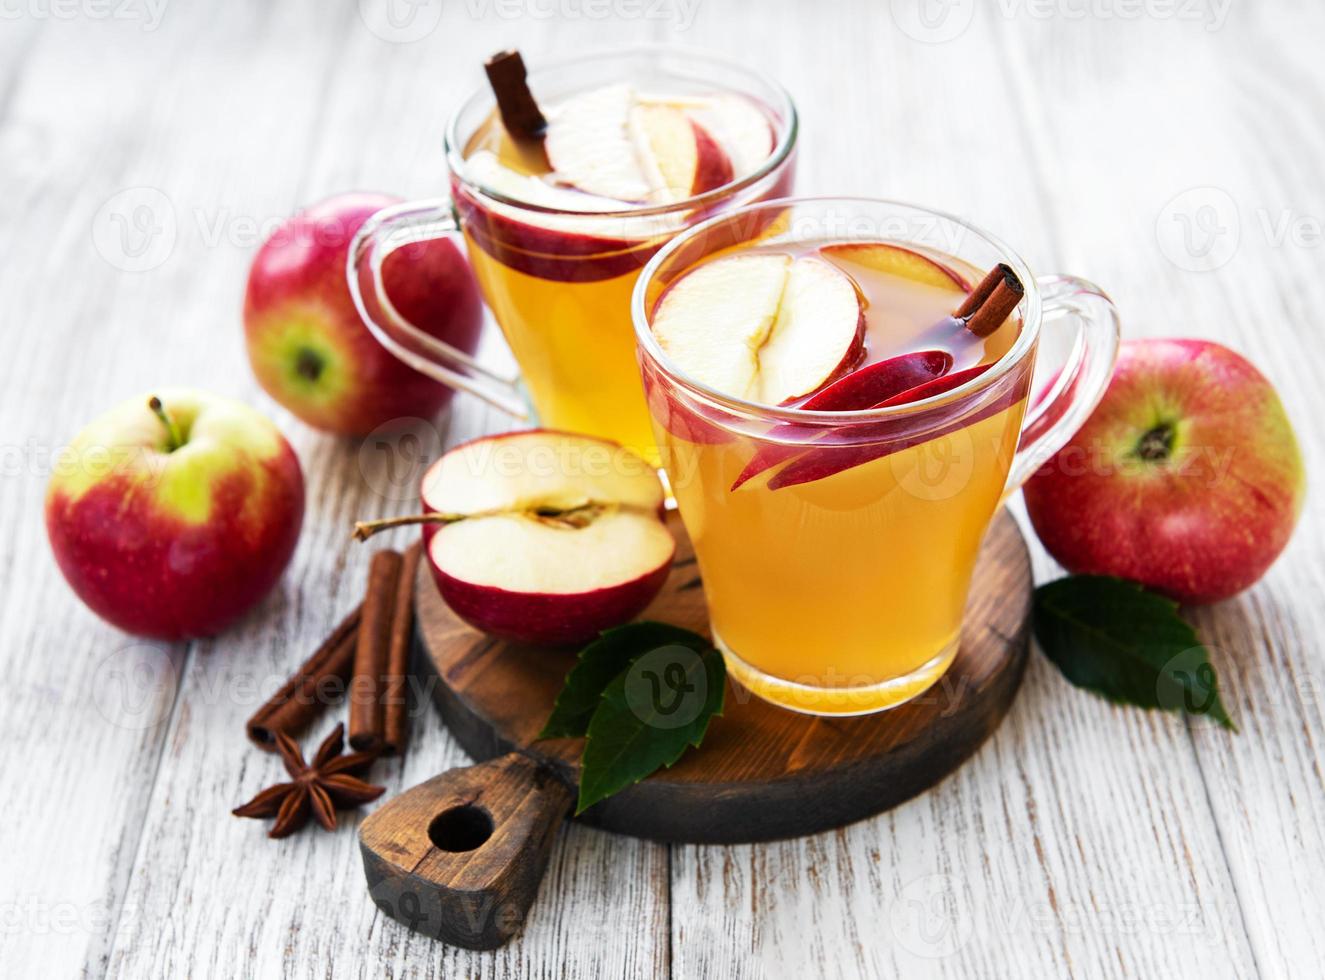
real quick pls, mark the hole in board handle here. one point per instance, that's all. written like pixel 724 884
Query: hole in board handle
pixel 461 828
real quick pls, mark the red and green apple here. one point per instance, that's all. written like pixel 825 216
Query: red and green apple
pixel 1187 478
pixel 306 342
pixel 172 515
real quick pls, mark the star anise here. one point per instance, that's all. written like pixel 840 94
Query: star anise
pixel 328 784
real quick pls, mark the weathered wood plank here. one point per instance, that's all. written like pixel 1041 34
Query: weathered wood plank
pixel 1083 840
pixel 213 896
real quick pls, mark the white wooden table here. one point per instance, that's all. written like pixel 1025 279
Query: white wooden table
pixel 1082 840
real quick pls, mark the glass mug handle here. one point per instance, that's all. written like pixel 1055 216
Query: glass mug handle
pixel 388 231
pixel 1081 383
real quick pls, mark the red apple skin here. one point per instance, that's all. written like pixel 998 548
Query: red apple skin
pixel 850 448
pixel 548 619
pixel 1200 524
pixel 537 618
pixel 872 386
pixel 140 564
pixel 298 313
pixel 713 168
pixel 562 256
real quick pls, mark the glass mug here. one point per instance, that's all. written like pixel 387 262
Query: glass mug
pixel 559 282
pixel 841 591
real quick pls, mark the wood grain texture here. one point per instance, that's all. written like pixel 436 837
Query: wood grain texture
pixel 460 857
pixel 763 773
pixel 1083 840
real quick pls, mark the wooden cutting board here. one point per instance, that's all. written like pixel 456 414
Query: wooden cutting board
pixel 473 842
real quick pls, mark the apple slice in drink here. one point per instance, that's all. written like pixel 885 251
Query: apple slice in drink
pixel 680 158
pixel 870 387
pixel 570 223
pixel 548 537
pixel 591 146
pixel 894 260
pixel 606 143
pixel 763 326
pixel 827 459
pixel 740 126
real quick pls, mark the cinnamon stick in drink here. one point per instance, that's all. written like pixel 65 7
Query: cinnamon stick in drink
pixel 519 112
pixel 367 711
pixel 990 303
pixel 302 698
pixel 396 728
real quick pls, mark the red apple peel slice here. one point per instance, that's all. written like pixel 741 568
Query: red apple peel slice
pixel 829 459
pixel 870 387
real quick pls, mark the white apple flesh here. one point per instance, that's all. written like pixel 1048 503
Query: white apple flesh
pixel 762 326
pixel 607 143
pixel 552 537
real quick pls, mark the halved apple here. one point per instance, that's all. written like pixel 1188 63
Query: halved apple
pixel 762 326
pixel 895 260
pixel 550 537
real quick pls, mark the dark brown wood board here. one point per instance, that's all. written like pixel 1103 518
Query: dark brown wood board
pixel 460 856
pixel 763 772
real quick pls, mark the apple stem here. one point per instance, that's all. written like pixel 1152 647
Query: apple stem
pixel 363 530
pixel 173 438
pixel 580 515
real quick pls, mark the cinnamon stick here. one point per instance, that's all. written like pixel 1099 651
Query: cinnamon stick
pixel 519 112
pixel 302 698
pixel 367 716
pixel 990 303
pixel 396 693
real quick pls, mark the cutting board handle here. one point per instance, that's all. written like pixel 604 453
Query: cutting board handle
pixel 460 856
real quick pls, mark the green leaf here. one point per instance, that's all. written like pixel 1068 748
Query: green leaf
pixel 1115 638
pixel 602 660
pixel 647 716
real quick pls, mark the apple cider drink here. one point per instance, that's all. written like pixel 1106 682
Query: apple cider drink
pixel 633 150
pixel 807 396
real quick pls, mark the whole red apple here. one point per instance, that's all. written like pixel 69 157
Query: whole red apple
pixel 306 342
pixel 1187 478
pixel 173 521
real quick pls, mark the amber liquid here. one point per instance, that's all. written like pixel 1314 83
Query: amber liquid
pixel 844 594
pixel 562 300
